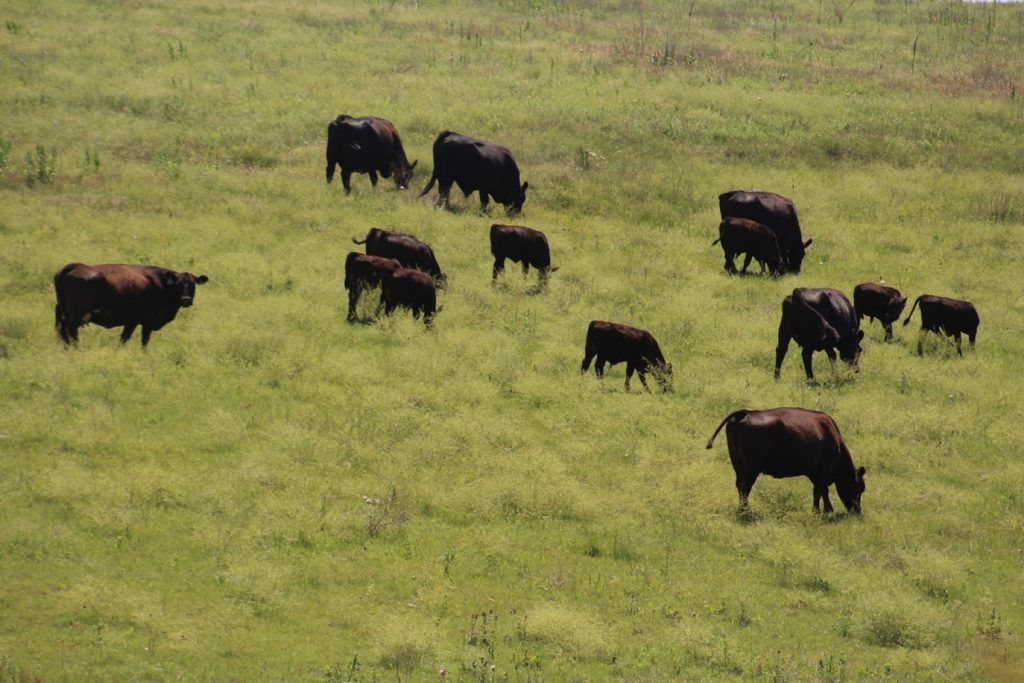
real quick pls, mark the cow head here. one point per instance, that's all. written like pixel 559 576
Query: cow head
pixel 517 205
pixel 851 491
pixel 849 347
pixel 403 173
pixel 663 375
pixel 895 307
pixel 794 257
pixel 183 286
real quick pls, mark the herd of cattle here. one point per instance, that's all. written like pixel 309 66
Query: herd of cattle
pixel 782 442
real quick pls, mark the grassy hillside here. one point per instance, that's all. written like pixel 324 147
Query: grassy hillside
pixel 198 510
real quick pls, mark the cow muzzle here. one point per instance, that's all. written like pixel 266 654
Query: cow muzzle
pixel 186 301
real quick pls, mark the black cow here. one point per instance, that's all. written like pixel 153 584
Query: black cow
pixel 410 288
pixel 476 166
pixel 115 295
pixel 520 245
pixel 613 343
pixel 792 442
pixel 878 301
pixel 406 249
pixel 952 316
pixel 366 145
pixel 776 213
pixel 363 272
pixel 744 236
pixel 819 320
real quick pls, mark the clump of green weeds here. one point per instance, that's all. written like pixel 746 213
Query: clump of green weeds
pixel 40 166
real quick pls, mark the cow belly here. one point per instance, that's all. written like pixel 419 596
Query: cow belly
pixel 104 318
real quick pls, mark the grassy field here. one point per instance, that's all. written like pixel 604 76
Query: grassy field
pixel 198 510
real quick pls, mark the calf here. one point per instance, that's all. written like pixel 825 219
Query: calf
pixel 819 320
pixel 791 442
pixel 406 249
pixel 952 316
pixel 614 343
pixel 363 272
pixel 775 212
pixel 878 301
pixel 744 236
pixel 116 295
pixel 412 289
pixel 520 245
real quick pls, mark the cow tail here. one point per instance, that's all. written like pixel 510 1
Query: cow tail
pixel 911 314
pixel 430 185
pixel 362 241
pixel 61 312
pixel 738 415
pixel 716 241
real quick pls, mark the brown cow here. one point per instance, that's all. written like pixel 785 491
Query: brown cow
pixel 952 316
pixel 476 166
pixel 413 289
pixel 791 442
pixel 521 245
pixel 614 343
pixel 363 272
pixel 366 145
pixel 878 301
pixel 115 295
pixel 744 236
pixel 774 211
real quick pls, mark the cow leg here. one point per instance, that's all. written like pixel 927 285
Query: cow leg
pixel 346 176
pixel 971 337
pixel 330 170
pixel 959 351
pixel 730 267
pixel 743 486
pixel 746 262
pixel 499 266
pixel 443 188
pixel 353 299
pixel 888 331
pixel 831 353
pixel 126 333
pixel 587 357
pixel 526 268
pixel 821 493
pixel 483 201
pixel 146 331
pixel 629 374
pixel 599 368
pixel 807 355
pixel 373 178
pixel 780 354
pixel 643 379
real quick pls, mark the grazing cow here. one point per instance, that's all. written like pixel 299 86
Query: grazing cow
pixel 476 166
pixel 613 343
pixel 114 295
pixel 406 249
pixel 952 316
pixel 819 320
pixel 878 301
pixel 744 236
pixel 410 288
pixel 776 213
pixel 366 145
pixel 520 245
pixel 363 272
pixel 791 442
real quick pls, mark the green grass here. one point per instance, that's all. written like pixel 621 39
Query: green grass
pixel 197 510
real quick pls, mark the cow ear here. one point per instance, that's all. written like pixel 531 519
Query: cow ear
pixel 525 185
pixel 860 334
pixel 202 280
pixel 860 472
pixel 808 243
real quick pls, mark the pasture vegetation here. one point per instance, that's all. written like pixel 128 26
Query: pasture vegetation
pixel 197 510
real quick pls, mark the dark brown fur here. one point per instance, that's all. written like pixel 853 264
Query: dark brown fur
pixel 744 236
pixel 791 442
pixel 950 316
pixel 520 245
pixel 366 145
pixel 879 302
pixel 363 272
pixel 412 289
pixel 614 343
pixel 116 295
